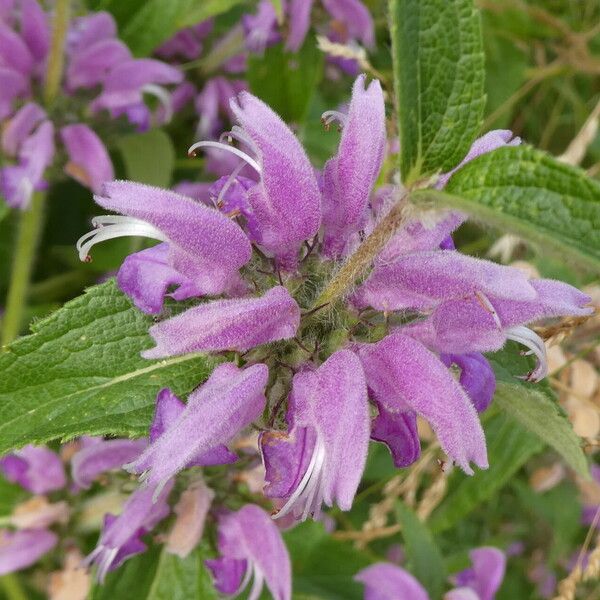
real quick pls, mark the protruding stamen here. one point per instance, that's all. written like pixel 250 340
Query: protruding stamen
pixel 308 491
pixel 228 184
pixel 163 96
pixel 527 337
pixel 221 146
pixel 109 227
pixel 331 116
pixel 237 133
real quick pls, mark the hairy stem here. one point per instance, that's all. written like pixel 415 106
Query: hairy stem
pixel 361 260
pixel 32 219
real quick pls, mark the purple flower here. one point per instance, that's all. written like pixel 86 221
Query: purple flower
pixel 21 549
pixel 89 162
pixel 349 177
pixel 261 28
pixel 186 42
pixel 34 468
pixel 286 201
pixel 205 248
pixel 86 31
pixel 322 456
pixel 484 324
pixel 20 127
pixel 18 182
pixel 215 413
pixel 384 581
pixel 299 21
pixel 215 99
pixel 486 574
pixel 404 377
pixel 12 85
pixel 356 18
pixel 476 377
pixel 236 324
pixel 251 546
pixel 106 455
pixel 121 536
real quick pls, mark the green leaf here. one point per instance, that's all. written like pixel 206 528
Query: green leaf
pixel 439 81
pixel 81 372
pixel 323 567
pixel 149 157
pixel 289 92
pixel 424 557
pixel 527 192
pixel 509 448
pixel 4 210
pixel 160 576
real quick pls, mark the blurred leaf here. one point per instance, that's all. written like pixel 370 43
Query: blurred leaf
pixel 286 82
pixel 81 372
pixel 148 157
pixel 424 557
pixel 323 567
pixel 439 79
pixel 10 495
pixel 509 448
pixel 4 210
pixel 524 191
pixel 278 6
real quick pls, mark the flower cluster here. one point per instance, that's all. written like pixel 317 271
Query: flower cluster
pixel 96 60
pixel 269 241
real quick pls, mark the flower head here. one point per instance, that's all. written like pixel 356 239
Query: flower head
pixel 34 468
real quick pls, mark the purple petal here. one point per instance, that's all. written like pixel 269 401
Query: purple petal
pixel 34 468
pixel 90 67
pixel 299 22
pixel 402 374
pixel 476 376
pixel 249 535
pixel 146 276
pixel 421 280
pixel 204 246
pixel 227 574
pixel 331 405
pixel 349 177
pixel 355 16
pixel 237 324
pixel 464 593
pixel 20 127
pixel 286 202
pixel 215 413
pixel 87 31
pixel 486 143
pixel 486 574
pixel 398 430
pixel 12 85
pixel 14 53
pixel 21 549
pixel 107 455
pixel 384 581
pixel 35 29
pixel 261 27
pixel 89 162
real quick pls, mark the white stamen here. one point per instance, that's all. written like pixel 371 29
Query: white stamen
pixel 247 577
pixel 489 307
pixel 330 116
pixel 308 493
pixel 228 184
pixel 163 96
pixel 527 337
pixel 109 227
pixel 257 584
pixel 232 149
pixel 237 133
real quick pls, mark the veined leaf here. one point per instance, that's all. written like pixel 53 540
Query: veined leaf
pixel 422 552
pixel 81 372
pixel 535 406
pixel 509 448
pixel 527 192
pixel 439 81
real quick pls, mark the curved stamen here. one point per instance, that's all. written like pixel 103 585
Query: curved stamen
pixel 309 484
pixel 163 96
pixel 221 146
pixel 331 116
pixel 237 133
pixel 228 184
pixel 527 337
pixel 110 227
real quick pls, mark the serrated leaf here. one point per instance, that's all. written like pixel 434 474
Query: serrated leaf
pixel 290 92
pixel 323 567
pixel 439 80
pixel 149 157
pixel 424 557
pixel 160 576
pixel 527 192
pixel 81 372
pixel 509 448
